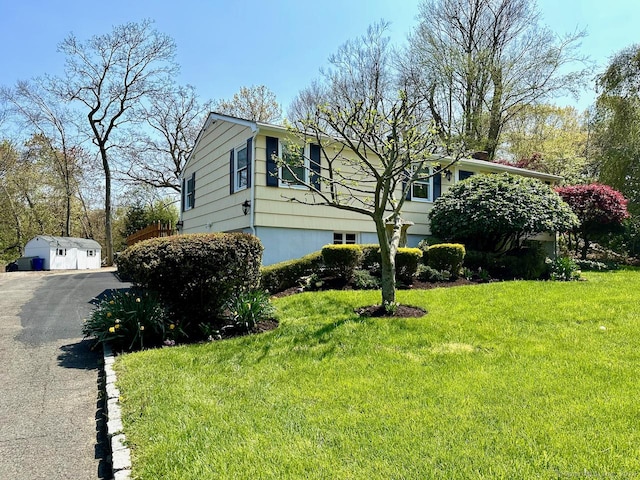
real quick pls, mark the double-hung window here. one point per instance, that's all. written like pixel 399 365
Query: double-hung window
pixel 190 194
pixel 241 168
pixel 295 168
pixel 422 188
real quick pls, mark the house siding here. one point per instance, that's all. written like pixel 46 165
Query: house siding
pixel 216 210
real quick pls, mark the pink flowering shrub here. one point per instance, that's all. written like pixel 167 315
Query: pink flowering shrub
pixel 600 209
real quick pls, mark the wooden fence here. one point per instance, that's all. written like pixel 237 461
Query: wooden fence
pixel 152 231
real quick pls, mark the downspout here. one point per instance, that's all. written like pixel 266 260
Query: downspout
pixel 252 193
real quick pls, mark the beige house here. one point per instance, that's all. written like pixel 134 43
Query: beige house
pixel 230 183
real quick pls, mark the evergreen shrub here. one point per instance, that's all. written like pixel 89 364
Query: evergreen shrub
pixel 195 275
pixel 446 256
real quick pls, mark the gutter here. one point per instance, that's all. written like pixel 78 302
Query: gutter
pixel 252 193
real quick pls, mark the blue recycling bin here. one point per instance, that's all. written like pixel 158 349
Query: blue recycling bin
pixel 37 263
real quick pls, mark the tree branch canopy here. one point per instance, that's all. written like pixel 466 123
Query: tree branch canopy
pixel 375 140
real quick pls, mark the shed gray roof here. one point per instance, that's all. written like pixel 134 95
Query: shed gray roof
pixel 68 242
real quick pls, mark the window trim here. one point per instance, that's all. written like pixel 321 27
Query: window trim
pixel 61 252
pixel 236 170
pixel 307 167
pixel 428 182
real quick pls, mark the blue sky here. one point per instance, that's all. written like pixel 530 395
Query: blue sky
pixel 223 45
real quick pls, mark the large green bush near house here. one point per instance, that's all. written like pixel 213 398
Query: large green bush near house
pixel 497 213
pixel 195 275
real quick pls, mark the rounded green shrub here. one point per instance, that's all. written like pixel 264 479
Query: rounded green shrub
pixel 527 263
pixel 446 256
pixel 195 275
pixel 371 257
pixel 497 213
pixel 407 261
pixel 364 280
pixel 342 260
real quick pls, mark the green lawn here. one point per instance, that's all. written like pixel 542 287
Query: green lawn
pixel 505 380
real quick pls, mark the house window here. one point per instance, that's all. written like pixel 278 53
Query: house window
pixel 422 186
pixel 340 238
pixel 91 253
pixel 61 252
pixel 464 174
pixel 190 193
pixel 241 168
pixel 297 160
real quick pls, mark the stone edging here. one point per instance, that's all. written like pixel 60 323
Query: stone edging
pixel 120 453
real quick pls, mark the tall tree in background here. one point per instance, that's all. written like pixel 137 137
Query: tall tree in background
pixel 373 142
pixel 174 118
pixel 617 125
pixel 478 62
pixel 255 103
pixel 12 235
pixel 38 111
pixel 550 139
pixel 109 76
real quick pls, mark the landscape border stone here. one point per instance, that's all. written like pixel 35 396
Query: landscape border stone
pixel 120 453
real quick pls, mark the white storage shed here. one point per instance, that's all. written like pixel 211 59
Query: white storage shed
pixel 65 253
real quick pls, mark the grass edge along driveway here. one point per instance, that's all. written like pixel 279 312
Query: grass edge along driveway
pixel 503 380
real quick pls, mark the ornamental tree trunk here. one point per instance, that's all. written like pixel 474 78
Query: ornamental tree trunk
pixel 388 249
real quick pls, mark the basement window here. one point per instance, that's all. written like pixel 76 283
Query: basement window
pixel 340 238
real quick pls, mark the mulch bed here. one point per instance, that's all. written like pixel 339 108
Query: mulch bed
pixel 402 311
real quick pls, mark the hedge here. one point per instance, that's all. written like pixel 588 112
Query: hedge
pixel 284 275
pixel 342 260
pixel 446 256
pixel 195 275
pixel 407 261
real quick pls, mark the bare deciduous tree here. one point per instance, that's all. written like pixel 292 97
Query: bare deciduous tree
pixel 110 76
pixel 374 142
pixel 478 62
pixel 174 118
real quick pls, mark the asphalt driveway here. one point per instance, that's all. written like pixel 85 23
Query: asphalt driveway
pixel 51 424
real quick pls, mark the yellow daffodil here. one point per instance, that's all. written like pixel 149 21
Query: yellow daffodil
pixel 108 314
pixel 172 326
pixel 138 300
pixel 141 327
pixel 112 330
